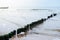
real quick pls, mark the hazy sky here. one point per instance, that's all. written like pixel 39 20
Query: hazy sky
pixel 30 3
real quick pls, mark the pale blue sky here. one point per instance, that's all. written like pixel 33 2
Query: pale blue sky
pixel 30 3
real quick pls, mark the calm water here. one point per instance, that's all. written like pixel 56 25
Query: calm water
pixel 13 19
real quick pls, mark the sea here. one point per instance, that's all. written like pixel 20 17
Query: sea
pixel 12 19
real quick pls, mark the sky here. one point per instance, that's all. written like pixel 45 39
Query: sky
pixel 30 3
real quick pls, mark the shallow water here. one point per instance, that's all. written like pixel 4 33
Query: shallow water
pixel 12 19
